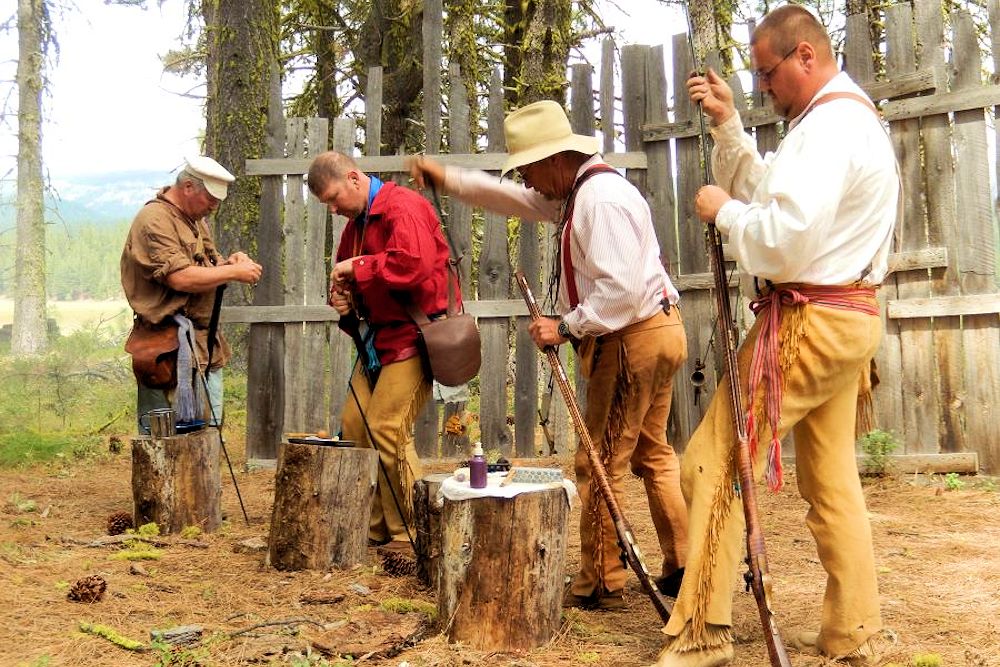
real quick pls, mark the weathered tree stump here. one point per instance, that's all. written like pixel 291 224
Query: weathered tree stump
pixel 427 521
pixel 322 506
pixel 502 568
pixel 176 481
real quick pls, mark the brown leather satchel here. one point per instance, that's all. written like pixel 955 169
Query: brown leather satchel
pixel 154 353
pixel 452 341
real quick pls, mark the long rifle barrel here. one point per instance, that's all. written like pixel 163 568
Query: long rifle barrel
pixel 758 577
pixel 626 539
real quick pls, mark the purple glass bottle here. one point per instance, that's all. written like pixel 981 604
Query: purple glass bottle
pixel 477 468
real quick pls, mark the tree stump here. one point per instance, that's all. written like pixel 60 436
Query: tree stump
pixel 176 481
pixel 427 521
pixel 322 506
pixel 502 569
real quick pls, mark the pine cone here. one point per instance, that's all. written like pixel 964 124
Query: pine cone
pixel 396 564
pixel 119 522
pixel 88 589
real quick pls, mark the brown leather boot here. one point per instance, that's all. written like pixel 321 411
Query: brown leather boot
pixel 607 601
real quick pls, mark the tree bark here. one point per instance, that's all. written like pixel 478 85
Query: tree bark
pixel 176 481
pixel 28 331
pixel 502 566
pixel 427 524
pixel 539 36
pixel 241 61
pixel 322 505
pixel 391 37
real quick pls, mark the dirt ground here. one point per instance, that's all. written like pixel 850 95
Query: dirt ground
pixel 937 551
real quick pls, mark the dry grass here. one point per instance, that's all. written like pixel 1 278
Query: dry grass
pixel 940 582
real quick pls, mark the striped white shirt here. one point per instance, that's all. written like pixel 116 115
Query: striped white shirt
pixel 615 255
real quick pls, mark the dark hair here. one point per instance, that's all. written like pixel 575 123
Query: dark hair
pixel 789 25
pixel 327 167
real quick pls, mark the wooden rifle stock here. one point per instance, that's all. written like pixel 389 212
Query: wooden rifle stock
pixel 626 540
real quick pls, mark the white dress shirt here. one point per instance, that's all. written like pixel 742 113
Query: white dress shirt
pixel 615 255
pixel 821 208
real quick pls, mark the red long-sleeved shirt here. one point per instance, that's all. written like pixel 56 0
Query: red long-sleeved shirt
pixel 400 254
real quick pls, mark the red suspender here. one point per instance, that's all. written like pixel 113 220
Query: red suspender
pixel 567 226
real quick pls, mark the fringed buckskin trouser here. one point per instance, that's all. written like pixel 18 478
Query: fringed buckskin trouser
pixel 628 401
pixel 400 394
pixel 819 404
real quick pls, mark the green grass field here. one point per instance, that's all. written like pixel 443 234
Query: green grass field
pixel 72 316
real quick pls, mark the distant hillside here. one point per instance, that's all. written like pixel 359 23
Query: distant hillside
pixel 93 199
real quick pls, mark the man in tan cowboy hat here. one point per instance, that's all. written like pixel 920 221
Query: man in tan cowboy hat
pixel 170 268
pixel 617 306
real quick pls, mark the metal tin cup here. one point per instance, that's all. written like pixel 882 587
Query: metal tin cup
pixel 161 422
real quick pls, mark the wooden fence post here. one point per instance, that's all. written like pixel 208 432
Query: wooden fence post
pixel 494 283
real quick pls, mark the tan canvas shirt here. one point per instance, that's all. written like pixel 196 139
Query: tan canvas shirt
pixel 163 240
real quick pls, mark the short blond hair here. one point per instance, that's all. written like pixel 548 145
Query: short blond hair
pixel 787 26
pixel 326 168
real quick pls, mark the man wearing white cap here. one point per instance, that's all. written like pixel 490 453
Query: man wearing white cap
pixel 170 269
pixel 618 310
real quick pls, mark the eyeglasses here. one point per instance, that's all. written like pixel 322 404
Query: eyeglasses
pixel 765 75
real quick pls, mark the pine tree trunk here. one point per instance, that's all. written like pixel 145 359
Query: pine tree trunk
pixel 28 334
pixel 540 33
pixel 241 62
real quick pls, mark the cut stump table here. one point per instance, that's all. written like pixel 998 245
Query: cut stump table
pixel 322 506
pixel 176 481
pixel 502 569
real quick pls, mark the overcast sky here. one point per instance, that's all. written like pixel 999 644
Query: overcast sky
pixel 113 109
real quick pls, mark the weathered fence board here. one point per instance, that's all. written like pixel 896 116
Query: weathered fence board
pixel 494 283
pixel 941 353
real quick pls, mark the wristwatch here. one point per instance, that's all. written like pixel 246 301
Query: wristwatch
pixel 563 329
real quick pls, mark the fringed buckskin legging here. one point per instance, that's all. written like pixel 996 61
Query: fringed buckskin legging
pixel 819 405
pixel 400 394
pixel 628 401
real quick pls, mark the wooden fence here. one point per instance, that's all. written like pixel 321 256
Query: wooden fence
pixel 939 362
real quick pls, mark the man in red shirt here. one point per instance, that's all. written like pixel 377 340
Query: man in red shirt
pixel 392 253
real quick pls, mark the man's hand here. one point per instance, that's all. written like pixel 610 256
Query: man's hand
pixel 715 96
pixel 708 201
pixel 245 270
pixel 424 170
pixel 342 273
pixel 341 278
pixel 340 300
pixel 545 331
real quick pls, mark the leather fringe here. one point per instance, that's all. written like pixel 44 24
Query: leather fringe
pixel 712 636
pixel 699 632
pixel 866 410
pixel 403 469
pixel 614 427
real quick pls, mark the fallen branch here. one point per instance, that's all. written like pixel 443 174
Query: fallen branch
pixel 289 621
pixel 321 598
pixel 114 540
pixel 409 641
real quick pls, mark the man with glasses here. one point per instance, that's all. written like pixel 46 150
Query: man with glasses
pixel 810 227
pixel 618 309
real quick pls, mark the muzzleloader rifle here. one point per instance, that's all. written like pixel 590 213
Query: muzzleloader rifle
pixel 626 539
pixel 758 579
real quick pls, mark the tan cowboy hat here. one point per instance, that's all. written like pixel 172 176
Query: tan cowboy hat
pixel 540 130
